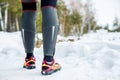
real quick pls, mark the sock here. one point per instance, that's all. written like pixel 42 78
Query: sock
pixel 28 55
pixel 48 59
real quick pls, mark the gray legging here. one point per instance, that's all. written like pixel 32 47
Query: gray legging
pixel 49 25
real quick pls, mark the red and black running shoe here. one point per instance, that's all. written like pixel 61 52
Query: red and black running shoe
pixel 50 67
pixel 29 63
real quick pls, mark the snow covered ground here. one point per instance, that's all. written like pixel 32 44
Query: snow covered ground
pixel 96 56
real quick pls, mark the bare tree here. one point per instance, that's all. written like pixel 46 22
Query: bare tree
pixel 3 20
pixel 88 16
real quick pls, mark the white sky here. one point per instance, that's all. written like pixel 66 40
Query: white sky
pixel 106 10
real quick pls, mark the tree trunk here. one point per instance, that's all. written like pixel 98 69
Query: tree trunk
pixel 17 23
pixel 6 18
pixel 1 21
pixel 9 22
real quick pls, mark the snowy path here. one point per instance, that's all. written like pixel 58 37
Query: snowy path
pixel 86 59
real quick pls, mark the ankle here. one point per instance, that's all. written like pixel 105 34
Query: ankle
pixel 48 58
pixel 29 55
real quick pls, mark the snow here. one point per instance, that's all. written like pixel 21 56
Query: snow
pixel 96 56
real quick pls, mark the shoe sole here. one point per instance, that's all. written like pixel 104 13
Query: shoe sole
pixel 50 72
pixel 29 67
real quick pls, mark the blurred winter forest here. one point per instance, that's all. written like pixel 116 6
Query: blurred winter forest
pixel 76 19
